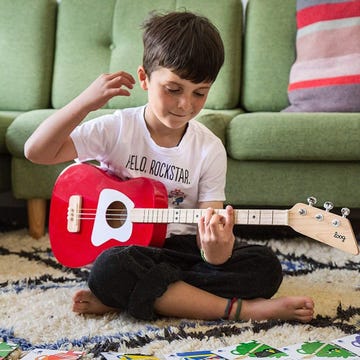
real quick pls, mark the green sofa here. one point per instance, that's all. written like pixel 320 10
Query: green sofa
pixel 275 159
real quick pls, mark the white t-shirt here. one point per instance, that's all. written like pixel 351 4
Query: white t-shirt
pixel 192 172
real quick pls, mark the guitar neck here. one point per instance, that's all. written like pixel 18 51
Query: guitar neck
pixel 191 216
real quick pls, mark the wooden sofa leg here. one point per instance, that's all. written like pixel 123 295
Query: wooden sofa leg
pixel 36 217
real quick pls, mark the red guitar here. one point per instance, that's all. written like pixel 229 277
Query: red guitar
pixel 92 210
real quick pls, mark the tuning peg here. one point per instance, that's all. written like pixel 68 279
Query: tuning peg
pixel 311 200
pixel 345 212
pixel 328 205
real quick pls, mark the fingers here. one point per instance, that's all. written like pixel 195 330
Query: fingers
pixel 208 216
pixel 204 221
pixel 123 78
pixel 211 217
pixel 120 80
pixel 230 216
pixel 123 74
pixel 212 221
pixel 115 83
pixel 216 235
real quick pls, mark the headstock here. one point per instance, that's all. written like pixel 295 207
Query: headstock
pixel 324 226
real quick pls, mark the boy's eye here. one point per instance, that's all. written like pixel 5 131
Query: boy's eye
pixel 173 90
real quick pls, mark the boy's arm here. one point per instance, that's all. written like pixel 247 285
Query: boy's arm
pixel 215 233
pixel 51 142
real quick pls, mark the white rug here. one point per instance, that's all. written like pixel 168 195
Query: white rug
pixel 36 291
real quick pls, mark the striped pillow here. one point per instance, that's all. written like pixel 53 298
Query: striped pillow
pixel 326 73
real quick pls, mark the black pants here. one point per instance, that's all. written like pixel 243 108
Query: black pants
pixel 131 278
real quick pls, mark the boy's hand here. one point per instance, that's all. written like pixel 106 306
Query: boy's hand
pixel 105 87
pixel 216 235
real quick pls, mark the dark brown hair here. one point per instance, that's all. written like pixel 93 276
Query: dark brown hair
pixel 187 44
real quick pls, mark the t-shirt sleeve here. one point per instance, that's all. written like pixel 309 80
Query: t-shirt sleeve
pixel 213 178
pixel 103 135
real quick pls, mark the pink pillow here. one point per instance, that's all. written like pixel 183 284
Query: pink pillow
pixel 325 76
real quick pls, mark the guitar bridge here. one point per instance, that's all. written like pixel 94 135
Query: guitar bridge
pixel 73 215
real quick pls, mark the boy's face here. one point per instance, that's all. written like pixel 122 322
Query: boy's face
pixel 172 100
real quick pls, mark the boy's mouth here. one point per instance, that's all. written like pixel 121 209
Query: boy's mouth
pixel 179 115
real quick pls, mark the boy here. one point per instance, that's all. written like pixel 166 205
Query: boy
pixel 203 273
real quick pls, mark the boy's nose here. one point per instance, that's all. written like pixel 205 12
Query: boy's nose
pixel 185 103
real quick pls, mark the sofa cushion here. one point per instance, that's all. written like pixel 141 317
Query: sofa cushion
pixel 26 48
pixel 6 118
pixel 25 124
pixel 294 137
pixel 107 37
pixel 326 73
pixel 39 182
pixel 284 183
pixel 269 52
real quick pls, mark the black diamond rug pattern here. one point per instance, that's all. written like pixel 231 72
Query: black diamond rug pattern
pixel 36 291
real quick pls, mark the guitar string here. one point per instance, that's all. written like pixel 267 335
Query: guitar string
pixel 123 214
pixel 162 215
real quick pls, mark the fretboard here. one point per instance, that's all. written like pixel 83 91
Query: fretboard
pixel 191 216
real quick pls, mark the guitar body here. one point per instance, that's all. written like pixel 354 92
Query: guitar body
pixel 101 195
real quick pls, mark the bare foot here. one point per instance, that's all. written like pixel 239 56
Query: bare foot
pixel 300 308
pixel 85 302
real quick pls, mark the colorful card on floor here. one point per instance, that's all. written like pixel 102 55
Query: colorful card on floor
pixel 112 355
pixel 6 349
pixel 351 342
pixel 249 350
pixel 47 354
pixel 318 350
pixel 194 355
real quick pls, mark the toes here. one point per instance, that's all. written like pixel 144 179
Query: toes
pixel 82 307
pixel 309 304
pixel 304 314
pixel 81 296
pixel 78 307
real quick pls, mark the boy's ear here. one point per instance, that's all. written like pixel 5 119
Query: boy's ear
pixel 142 77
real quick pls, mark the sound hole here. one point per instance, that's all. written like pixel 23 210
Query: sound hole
pixel 116 214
